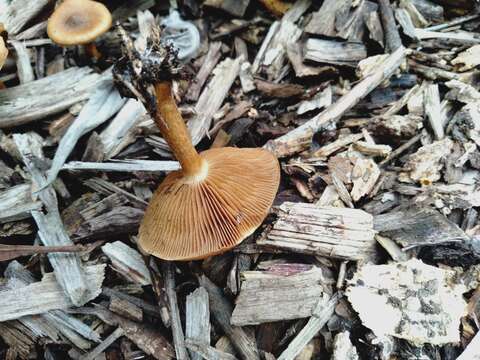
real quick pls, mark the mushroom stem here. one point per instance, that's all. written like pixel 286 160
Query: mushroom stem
pixel 171 125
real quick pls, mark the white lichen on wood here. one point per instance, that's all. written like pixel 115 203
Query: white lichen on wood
pixel 409 300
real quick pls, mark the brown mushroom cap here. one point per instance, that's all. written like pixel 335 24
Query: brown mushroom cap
pixel 77 22
pixel 3 52
pixel 193 219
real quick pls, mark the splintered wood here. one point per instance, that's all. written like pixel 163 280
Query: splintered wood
pixel 267 296
pixel 333 232
pixel 417 302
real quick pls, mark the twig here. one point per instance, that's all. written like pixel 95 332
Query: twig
pixel 177 332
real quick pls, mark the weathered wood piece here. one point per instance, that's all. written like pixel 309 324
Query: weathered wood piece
pixel 197 323
pixel 40 98
pixel 16 203
pixel 212 97
pixel 120 132
pixel 425 164
pixel 394 290
pixel 322 313
pixel 119 220
pixel 211 59
pixel 55 323
pixel 332 232
pixel 334 52
pixel 323 20
pixel 222 312
pixel 206 351
pixel 49 295
pixel 272 53
pixel 392 38
pixel 104 103
pixel 100 348
pixel 433 110
pixel 267 297
pixel 51 231
pixel 418 227
pixel 177 331
pixel 365 174
pixel 24 66
pixel 300 138
pixel 148 339
pixel 18 13
pixel 336 145
pixel 128 165
pixel 126 309
pixel 343 349
pixel 128 262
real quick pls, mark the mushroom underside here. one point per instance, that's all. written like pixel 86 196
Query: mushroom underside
pixel 187 221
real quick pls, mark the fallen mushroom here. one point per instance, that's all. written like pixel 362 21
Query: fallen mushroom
pixel 79 22
pixel 220 196
pixel 3 52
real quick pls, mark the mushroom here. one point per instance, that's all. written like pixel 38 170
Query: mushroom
pixel 79 22
pixel 3 47
pixel 3 52
pixel 220 196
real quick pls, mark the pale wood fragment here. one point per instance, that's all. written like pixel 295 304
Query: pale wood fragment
pixel 212 97
pixel 267 297
pixel 19 12
pixel 211 59
pixel 24 66
pixel 332 232
pixel 16 203
pixel 40 98
pixel 433 110
pixel 100 348
pixel 206 351
pixel 128 262
pixel 49 295
pixel 343 349
pixel 334 52
pixel 104 103
pixel 222 312
pixel 197 327
pixel 177 331
pixel 124 165
pixel 51 230
pixel 322 313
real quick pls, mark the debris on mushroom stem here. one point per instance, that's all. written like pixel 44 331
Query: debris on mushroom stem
pixel 136 72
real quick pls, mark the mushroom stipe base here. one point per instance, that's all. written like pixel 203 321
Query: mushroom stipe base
pixel 189 220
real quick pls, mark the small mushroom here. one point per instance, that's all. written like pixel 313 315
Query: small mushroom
pixel 219 197
pixel 3 52
pixel 79 22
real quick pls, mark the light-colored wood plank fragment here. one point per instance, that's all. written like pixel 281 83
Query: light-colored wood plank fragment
pixel 267 297
pixel 322 313
pixel 197 321
pixel 326 231
pixel 16 203
pixel 40 98
pixel 48 295
pixel 128 262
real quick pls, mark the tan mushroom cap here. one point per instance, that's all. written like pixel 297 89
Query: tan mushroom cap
pixel 188 220
pixel 78 22
pixel 3 52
